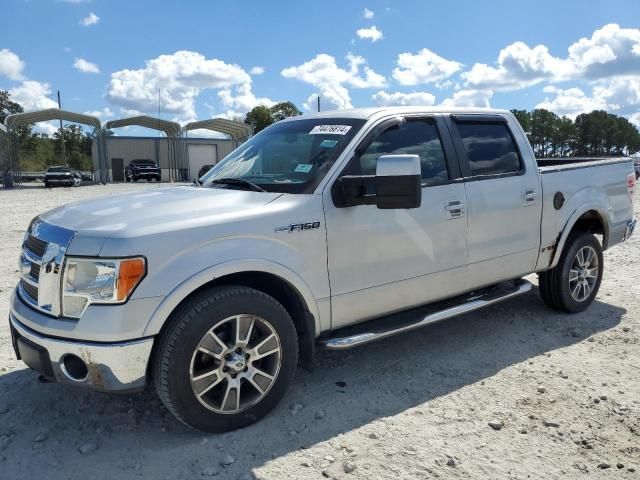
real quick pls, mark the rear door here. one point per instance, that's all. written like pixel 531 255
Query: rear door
pixel 503 199
pixel 382 261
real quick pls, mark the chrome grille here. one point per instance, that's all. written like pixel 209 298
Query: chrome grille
pixel 41 266
pixel 30 290
pixel 35 271
pixel 36 246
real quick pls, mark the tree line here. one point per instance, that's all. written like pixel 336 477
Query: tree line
pixel 591 134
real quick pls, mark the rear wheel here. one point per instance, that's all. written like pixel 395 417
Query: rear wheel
pixel 574 283
pixel 226 359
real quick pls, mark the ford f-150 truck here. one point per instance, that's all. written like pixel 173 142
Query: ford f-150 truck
pixel 333 229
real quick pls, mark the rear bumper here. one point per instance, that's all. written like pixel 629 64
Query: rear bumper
pixel 110 367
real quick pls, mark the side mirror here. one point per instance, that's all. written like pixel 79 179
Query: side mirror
pixel 397 184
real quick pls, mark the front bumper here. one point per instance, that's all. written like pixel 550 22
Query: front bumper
pixel 59 181
pixel 111 367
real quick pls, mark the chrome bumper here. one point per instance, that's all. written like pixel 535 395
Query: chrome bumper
pixel 111 367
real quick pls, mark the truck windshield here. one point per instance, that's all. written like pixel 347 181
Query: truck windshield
pixel 290 157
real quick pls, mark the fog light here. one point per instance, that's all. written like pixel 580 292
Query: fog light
pixel 74 368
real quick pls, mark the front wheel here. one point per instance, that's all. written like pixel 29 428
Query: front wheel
pixel 226 359
pixel 574 283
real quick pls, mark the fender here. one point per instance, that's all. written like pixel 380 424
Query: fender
pixel 184 289
pixel 597 207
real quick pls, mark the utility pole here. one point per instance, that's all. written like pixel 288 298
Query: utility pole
pixel 64 152
pixel 318 102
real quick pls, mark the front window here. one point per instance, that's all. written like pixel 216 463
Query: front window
pixel 291 156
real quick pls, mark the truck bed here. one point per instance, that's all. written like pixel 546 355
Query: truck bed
pixel 572 163
pixel 600 182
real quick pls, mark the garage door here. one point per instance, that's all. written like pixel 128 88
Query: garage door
pixel 200 155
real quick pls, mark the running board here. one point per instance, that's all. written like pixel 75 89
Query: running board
pixel 374 330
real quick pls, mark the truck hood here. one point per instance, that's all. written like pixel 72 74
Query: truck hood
pixel 160 209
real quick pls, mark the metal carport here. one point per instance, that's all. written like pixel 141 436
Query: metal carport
pixel 16 120
pixel 177 161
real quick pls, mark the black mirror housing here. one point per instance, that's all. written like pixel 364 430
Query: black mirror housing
pixel 396 185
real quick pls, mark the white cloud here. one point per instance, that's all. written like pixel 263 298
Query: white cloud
pixel 469 98
pixel 611 51
pixel 572 102
pixel 89 20
pixel 240 99
pixel 368 14
pixel 101 114
pixel 323 73
pixel 48 128
pixel 180 77
pixel 635 119
pixel 84 66
pixel 33 95
pixel 371 33
pixel 385 99
pixel 257 70
pixel 10 65
pixel 618 94
pixel 518 66
pixel 423 67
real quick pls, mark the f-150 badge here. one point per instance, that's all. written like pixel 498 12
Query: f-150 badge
pixel 299 227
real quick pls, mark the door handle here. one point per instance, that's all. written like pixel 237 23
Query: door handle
pixel 454 209
pixel 529 197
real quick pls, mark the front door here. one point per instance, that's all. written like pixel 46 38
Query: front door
pixel 117 169
pixel 381 261
pixel 503 198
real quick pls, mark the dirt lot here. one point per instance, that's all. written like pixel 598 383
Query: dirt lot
pixel 566 390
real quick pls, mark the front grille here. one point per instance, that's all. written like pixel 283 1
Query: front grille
pixel 35 271
pixel 30 290
pixel 36 246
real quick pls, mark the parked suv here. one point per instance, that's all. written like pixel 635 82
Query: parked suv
pixel 142 169
pixel 334 229
pixel 61 175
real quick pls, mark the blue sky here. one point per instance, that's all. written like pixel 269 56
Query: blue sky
pixel 215 58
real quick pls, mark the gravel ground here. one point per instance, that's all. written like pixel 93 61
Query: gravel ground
pixel 514 391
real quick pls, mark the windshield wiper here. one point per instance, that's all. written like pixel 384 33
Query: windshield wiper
pixel 241 182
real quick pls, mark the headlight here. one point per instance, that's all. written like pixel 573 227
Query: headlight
pixel 101 281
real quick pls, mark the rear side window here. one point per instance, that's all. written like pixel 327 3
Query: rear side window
pixel 490 148
pixel 414 137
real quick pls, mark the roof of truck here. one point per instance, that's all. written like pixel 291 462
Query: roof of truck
pixel 366 113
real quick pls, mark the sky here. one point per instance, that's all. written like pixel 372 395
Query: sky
pixel 205 58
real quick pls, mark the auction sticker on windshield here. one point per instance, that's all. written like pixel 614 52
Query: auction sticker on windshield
pixel 330 129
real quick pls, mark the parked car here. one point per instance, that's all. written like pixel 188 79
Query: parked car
pixel 204 169
pixel 334 229
pixel 142 170
pixel 636 165
pixel 61 175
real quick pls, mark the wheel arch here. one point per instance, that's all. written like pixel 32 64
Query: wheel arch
pixel 591 219
pixel 273 279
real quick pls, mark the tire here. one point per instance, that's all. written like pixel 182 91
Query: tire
pixel 135 179
pixel 158 179
pixel 46 185
pixel 149 179
pixel 574 295
pixel 182 369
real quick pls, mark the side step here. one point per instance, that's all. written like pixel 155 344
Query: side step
pixel 378 329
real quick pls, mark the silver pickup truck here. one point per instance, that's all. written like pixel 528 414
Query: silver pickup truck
pixel 331 230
